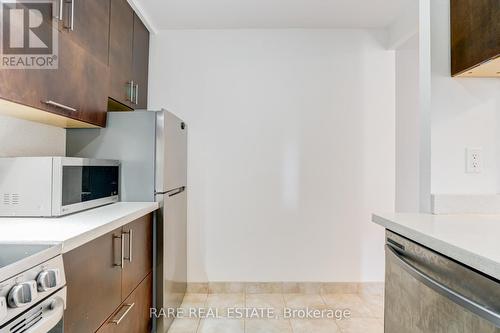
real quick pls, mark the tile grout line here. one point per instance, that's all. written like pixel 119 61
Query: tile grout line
pixel 245 320
pixel 198 327
pixel 285 305
pixel 321 294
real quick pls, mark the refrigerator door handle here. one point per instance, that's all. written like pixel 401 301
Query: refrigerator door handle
pixel 171 193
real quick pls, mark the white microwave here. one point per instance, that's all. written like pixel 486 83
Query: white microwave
pixel 56 186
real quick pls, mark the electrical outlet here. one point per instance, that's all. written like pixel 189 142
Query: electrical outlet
pixel 474 160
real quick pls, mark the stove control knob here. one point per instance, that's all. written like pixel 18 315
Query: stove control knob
pixel 48 279
pixel 22 294
pixel 3 308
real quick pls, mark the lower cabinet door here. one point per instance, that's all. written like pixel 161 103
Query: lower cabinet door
pixel 138 252
pixel 132 316
pixel 94 283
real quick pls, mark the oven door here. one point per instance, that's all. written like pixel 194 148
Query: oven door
pixel 44 317
pixel 427 292
pixel 82 183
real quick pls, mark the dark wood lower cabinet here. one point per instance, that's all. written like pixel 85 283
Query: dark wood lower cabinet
pixel 138 252
pixel 93 283
pixel 133 314
pixel 109 281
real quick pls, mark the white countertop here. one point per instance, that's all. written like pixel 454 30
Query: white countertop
pixel 73 230
pixel 473 240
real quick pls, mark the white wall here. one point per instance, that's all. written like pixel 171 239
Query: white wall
pixel 407 127
pixel 464 114
pixel 424 91
pixel 405 26
pixel 25 138
pixel 410 35
pixel 291 148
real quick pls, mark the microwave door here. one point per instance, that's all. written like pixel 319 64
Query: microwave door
pixel 87 186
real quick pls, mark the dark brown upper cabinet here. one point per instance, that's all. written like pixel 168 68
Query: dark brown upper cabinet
pixel 74 94
pixel 103 51
pixel 140 63
pixel 79 85
pixel 86 22
pixel 121 32
pixel 128 59
pixel 475 38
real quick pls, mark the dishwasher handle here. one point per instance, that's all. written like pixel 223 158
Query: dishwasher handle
pixel 443 290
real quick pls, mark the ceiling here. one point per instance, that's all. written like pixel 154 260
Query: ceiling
pixel 270 14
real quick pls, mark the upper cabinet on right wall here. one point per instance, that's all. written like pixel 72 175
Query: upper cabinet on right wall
pixel 475 38
pixel 128 59
pixel 140 59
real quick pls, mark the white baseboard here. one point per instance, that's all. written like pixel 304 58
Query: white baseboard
pixel 286 287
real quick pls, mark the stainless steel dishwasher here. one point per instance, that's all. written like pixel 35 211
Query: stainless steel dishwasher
pixel 427 292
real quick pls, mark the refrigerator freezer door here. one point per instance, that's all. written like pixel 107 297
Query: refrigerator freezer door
pixel 171 152
pixel 172 254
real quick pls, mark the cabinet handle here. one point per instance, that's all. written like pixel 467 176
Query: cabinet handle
pixel 60 10
pixel 129 233
pixel 72 15
pixel 122 249
pixel 124 314
pixel 136 93
pixel 131 91
pixel 61 106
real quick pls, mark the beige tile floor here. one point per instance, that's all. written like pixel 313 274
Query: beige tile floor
pixel 366 309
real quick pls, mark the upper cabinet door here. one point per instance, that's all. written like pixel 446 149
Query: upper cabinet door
pixel 86 22
pixel 76 89
pixel 140 64
pixel 79 86
pixel 82 79
pixel 475 38
pixel 120 52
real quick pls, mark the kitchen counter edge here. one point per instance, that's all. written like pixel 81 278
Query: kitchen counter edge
pixel 75 230
pixel 463 255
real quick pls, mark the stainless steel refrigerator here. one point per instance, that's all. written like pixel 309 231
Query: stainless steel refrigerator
pixel 152 148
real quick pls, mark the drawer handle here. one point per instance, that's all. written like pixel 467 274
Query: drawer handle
pixel 59 105
pixel 129 233
pixel 124 314
pixel 122 250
